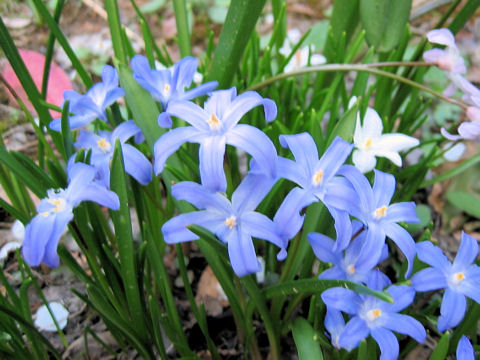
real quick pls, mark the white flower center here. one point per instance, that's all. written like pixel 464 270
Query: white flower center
pixel 458 277
pixel 60 204
pixel 380 212
pixel 373 314
pixel 231 222
pixel 166 89
pixel 351 269
pixel 214 122
pixel 367 144
pixel 317 178
pixel 104 145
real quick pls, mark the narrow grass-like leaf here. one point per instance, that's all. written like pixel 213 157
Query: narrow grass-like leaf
pixel 464 15
pixel 66 134
pixel 239 24
pixel 313 286
pixel 50 46
pixel 181 20
pixel 441 350
pixel 142 105
pixel 305 340
pixel 123 230
pixel 63 41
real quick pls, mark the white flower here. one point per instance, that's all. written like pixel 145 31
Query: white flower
pixel 300 58
pixel 370 143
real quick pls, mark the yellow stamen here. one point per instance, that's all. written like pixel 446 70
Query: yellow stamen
pixel 104 145
pixel 373 314
pixel 368 143
pixel 317 178
pixel 166 88
pixel 231 222
pixel 214 122
pixel 380 212
pixel 45 213
pixel 458 277
pixel 351 269
pixel 59 203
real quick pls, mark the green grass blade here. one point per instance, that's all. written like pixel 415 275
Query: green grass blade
pixel 239 24
pixel 181 19
pixel 111 8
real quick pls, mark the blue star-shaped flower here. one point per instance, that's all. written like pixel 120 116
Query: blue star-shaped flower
pixel 460 279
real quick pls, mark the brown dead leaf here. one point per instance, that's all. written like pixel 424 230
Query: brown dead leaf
pixel 210 293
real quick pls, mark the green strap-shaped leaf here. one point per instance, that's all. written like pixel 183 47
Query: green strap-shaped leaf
pixel 466 201
pixel 123 231
pixel 441 350
pixel 142 105
pixel 343 21
pixel 320 285
pixel 305 339
pixel 384 21
pixel 240 21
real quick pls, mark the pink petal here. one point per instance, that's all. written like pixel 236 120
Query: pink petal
pixel 58 80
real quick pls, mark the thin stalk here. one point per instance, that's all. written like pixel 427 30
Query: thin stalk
pixel 370 68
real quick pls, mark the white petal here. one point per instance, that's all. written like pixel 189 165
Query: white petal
pixel 364 160
pixel 8 248
pixel 454 152
pixel 318 59
pixel 44 320
pixel 395 142
pixel 372 124
pixel 18 230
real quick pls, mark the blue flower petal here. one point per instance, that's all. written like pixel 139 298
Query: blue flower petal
pixel 242 253
pixel 175 230
pixel 201 197
pixel 452 310
pixel 334 323
pixel 304 150
pixel 387 342
pixel 183 72
pixel 37 234
pixel 465 349
pixel 404 241
pixel 169 142
pixel 406 325
pixel 99 194
pixel 471 284
pixel 432 255
pixel 50 257
pixel 125 131
pixel 345 300
pixel 429 279
pixel 468 251
pixel 243 104
pixel 402 212
pixel 334 273
pixel 199 90
pixel 383 188
pixel 256 143
pixel 191 113
pixel 136 164
pixel 251 191
pixel 402 297
pixel 211 155
pixel 355 331
pixel 361 185
pixel 293 171
pixel 260 227
pixel 334 157
pixel 322 247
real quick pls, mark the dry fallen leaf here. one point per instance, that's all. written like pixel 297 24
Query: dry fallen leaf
pixel 210 293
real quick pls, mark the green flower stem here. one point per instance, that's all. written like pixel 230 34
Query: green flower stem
pixel 369 68
pixel 271 327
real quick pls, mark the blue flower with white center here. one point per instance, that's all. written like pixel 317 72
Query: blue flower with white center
pixel 56 211
pixel 317 180
pixel 234 223
pixel 373 209
pixel 213 127
pixel 102 146
pixel 460 279
pixel 372 316
pixel 334 324
pixel 94 103
pixel 169 84
pixel 465 349
pixel 346 264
